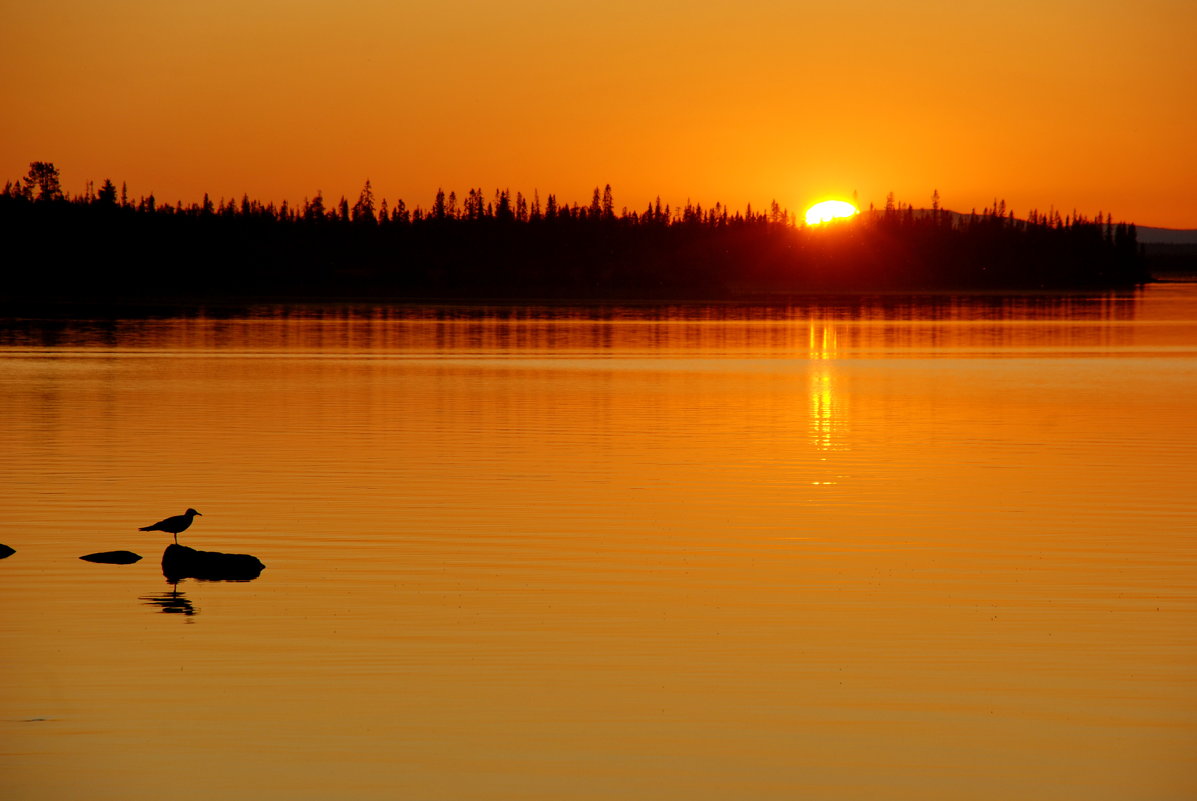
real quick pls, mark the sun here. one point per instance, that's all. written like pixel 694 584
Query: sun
pixel 830 210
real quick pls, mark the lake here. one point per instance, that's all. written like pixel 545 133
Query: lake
pixel 842 548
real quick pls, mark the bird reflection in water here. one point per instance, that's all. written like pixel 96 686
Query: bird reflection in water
pixel 173 602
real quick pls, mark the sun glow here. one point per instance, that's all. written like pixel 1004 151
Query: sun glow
pixel 830 210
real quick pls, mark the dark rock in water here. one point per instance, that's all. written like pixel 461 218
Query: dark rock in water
pixel 112 557
pixel 180 562
pixel 6 552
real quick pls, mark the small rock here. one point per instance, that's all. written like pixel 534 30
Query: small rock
pixel 112 557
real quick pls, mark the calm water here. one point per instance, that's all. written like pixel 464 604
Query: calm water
pixel 888 549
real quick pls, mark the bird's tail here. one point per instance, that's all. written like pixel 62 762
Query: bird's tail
pixel 147 528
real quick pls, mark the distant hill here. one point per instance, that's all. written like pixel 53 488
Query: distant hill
pixel 1146 235
pixel 1169 253
pixel 1166 236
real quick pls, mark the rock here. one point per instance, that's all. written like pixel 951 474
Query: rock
pixel 180 562
pixel 6 552
pixel 112 557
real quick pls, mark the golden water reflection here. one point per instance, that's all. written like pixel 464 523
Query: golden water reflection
pixel 870 551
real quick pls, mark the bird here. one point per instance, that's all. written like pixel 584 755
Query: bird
pixel 174 525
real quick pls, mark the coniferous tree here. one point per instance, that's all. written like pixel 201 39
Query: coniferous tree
pixel 503 206
pixel 43 176
pixel 363 209
pixel 107 195
pixel 313 211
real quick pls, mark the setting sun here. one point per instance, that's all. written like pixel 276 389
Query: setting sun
pixel 830 210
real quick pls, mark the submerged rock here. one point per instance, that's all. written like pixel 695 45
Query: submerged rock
pixel 112 557
pixel 6 552
pixel 180 562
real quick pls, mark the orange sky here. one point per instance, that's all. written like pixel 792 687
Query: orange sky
pixel 1086 105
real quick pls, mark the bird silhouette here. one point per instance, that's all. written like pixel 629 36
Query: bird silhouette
pixel 173 525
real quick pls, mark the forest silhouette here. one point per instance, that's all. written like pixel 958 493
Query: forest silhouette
pixel 103 243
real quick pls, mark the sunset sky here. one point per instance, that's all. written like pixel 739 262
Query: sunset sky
pixel 1087 105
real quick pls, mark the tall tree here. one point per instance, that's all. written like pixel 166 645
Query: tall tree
pixel 503 205
pixel 313 210
pixel 107 194
pixel 363 209
pixel 44 176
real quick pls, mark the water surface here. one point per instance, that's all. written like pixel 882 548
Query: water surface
pixel 887 548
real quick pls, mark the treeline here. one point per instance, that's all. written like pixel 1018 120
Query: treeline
pixel 104 243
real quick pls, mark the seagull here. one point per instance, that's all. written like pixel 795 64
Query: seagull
pixel 173 525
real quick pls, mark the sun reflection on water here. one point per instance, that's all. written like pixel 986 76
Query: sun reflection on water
pixel 826 413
